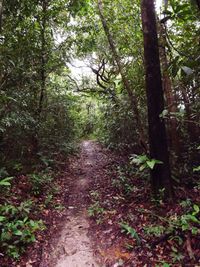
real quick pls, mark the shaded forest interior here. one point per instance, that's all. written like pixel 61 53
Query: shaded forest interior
pixel 124 73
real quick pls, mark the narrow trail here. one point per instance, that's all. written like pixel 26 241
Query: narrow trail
pixel 73 247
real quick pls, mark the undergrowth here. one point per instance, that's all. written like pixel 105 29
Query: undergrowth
pixel 22 199
pixel 168 233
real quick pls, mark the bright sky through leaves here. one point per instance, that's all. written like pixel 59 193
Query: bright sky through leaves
pixel 158 4
pixel 79 68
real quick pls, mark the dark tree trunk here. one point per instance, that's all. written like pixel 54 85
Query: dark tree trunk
pixel 160 175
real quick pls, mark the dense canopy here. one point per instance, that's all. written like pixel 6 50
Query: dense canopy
pixel 124 73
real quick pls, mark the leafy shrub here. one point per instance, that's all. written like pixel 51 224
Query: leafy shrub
pixel 189 221
pixel 123 182
pixel 4 180
pixel 115 126
pixel 40 181
pixel 95 210
pixel 17 229
pixel 144 162
pixel 156 230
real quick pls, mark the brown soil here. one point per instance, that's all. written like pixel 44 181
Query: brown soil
pixel 72 247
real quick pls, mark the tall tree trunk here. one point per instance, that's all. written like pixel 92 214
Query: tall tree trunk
pixel 43 56
pixel 160 175
pixel 125 81
pixel 168 91
pixel 43 25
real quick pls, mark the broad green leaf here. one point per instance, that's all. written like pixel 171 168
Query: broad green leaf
pixel 5 181
pixel 192 218
pixel 151 164
pixel 184 227
pixel 194 230
pixel 197 169
pixel 18 233
pixel 196 208
pixel 2 218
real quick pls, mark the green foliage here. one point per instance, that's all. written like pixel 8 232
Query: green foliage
pixel 38 110
pixel 6 181
pixel 175 227
pixel 116 126
pixel 126 228
pixel 40 182
pixel 144 162
pixel 189 221
pixel 186 223
pixel 17 229
pixel 79 7
pixel 156 230
pixel 123 181
pixel 164 264
pixel 196 169
pixel 95 210
pixel 48 199
pixel 44 108
pixel 186 204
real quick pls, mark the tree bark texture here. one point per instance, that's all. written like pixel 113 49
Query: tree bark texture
pixel 160 175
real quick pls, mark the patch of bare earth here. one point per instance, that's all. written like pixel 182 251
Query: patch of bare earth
pixel 72 246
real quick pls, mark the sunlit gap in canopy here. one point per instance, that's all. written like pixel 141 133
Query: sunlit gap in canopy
pixel 80 68
pixel 159 4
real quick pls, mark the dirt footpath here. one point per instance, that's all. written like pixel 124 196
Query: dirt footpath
pixel 72 247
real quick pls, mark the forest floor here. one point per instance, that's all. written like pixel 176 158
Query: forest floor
pixel 102 215
pixel 72 246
